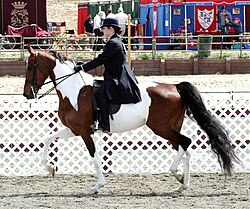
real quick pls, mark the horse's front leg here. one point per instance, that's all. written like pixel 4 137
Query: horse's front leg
pixel 98 167
pixel 97 164
pixel 61 134
pixel 183 179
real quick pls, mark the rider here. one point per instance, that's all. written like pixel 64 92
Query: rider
pixel 120 84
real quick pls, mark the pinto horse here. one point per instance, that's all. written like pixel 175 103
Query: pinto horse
pixel 162 109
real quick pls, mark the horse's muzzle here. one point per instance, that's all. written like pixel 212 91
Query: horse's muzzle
pixel 29 95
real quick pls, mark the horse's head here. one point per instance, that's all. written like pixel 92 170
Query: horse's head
pixel 38 69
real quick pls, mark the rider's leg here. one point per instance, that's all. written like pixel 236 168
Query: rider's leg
pixel 102 104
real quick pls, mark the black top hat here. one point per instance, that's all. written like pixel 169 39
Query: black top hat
pixel 110 22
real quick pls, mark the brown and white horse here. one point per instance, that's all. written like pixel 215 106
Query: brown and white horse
pixel 162 109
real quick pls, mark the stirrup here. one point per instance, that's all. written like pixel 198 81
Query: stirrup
pixel 95 125
pixel 104 131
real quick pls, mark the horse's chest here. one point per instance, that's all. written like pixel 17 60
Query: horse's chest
pixel 65 110
pixel 65 105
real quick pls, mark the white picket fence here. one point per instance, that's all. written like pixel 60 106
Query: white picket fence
pixel 24 125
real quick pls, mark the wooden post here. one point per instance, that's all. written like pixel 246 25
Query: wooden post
pixel 162 67
pixel 129 40
pixel 228 66
pixel 196 66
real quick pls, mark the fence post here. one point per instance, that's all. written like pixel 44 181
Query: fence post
pixel 241 40
pixel 162 67
pixel 228 66
pixel 153 47
pixel 196 66
pixel 129 40
pixel 22 49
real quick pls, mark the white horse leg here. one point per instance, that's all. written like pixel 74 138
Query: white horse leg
pixel 186 171
pixel 63 133
pixel 174 166
pixel 98 167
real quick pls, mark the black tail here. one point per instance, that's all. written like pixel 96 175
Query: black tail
pixel 218 137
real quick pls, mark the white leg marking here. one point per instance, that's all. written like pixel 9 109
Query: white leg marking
pixel 186 170
pixel 63 133
pixel 174 166
pixel 185 178
pixel 98 167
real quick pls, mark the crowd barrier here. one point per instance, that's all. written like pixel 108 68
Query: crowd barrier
pixel 25 123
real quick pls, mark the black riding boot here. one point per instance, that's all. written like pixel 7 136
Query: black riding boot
pixel 102 104
pixel 105 119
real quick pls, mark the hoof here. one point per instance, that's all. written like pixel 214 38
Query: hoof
pixel 181 189
pixel 94 190
pixel 180 178
pixel 52 170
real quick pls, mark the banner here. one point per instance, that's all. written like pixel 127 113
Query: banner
pixel 205 18
pixel 155 21
pixel 82 16
pixel 18 13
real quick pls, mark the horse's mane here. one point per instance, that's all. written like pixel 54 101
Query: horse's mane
pixel 58 56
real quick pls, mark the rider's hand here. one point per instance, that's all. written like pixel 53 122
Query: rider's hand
pixel 78 68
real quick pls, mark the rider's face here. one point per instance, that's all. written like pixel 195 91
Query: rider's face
pixel 107 31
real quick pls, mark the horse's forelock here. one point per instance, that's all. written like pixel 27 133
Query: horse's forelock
pixel 33 56
pixel 58 56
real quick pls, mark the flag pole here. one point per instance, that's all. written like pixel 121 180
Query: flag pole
pixel 129 40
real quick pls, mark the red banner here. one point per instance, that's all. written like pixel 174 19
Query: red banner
pixel 23 12
pixel 205 18
pixel 82 16
pixel 155 21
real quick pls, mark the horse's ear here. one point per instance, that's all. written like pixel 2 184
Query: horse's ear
pixel 30 49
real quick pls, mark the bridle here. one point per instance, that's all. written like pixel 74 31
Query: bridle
pixel 34 86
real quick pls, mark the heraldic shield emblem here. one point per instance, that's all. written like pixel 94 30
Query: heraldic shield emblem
pixel 205 17
pixel 19 14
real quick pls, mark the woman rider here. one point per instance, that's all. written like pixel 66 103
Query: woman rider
pixel 120 84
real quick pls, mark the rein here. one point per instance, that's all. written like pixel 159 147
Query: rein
pixel 52 88
pixel 35 87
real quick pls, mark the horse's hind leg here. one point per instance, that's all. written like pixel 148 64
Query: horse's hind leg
pixel 185 178
pixel 184 156
pixel 63 133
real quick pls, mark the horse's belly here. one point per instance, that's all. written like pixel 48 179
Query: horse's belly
pixel 131 116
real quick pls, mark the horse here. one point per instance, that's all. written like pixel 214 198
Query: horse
pixel 162 108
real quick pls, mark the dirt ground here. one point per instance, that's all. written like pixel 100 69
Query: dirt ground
pixel 205 83
pixel 124 191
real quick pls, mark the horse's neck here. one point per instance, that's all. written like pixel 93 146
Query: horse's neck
pixel 70 85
